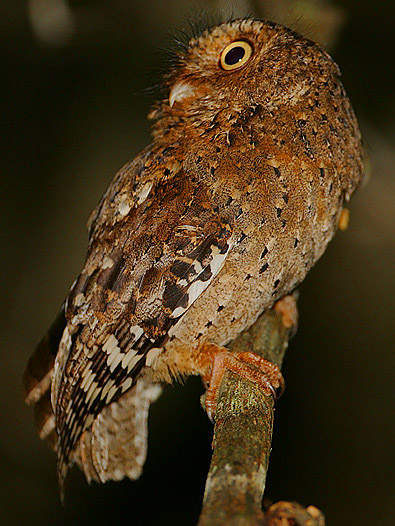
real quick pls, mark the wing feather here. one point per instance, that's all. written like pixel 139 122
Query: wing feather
pixel 140 277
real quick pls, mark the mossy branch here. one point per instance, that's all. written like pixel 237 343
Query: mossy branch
pixel 243 429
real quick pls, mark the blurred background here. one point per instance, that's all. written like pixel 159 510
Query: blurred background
pixel 73 102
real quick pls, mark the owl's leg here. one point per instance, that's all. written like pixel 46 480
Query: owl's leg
pixel 248 365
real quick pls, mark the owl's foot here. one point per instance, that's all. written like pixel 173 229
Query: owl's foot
pixel 249 366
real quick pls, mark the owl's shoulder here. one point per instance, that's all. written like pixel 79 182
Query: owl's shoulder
pixel 132 185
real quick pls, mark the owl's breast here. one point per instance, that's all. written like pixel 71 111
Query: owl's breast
pixel 280 230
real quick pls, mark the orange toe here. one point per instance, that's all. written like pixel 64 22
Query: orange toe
pixel 249 366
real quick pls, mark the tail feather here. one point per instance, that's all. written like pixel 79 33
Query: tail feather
pixel 39 370
pixel 37 380
pixel 115 445
pixel 44 419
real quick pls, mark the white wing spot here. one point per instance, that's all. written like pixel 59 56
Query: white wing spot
pixel 127 384
pixel 197 266
pixel 144 193
pixel 113 360
pixel 105 391
pixel 111 345
pixel 79 300
pixel 152 355
pixel 127 358
pixel 197 286
pixel 178 311
pixel 107 263
pixel 92 391
pixel 218 260
pixel 89 378
pixel 133 362
pixel 123 208
pixel 136 331
pixel 111 393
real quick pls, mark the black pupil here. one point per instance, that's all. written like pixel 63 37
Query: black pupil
pixel 234 55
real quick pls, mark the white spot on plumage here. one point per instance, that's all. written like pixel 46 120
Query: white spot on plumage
pixel 178 311
pixel 111 345
pixel 136 331
pixel 79 300
pixel 133 361
pixel 127 358
pixel 197 286
pixel 92 392
pixel 116 356
pixel 144 193
pixel 111 393
pixel 107 263
pixel 195 289
pixel 127 384
pixel 270 244
pixel 123 208
pixel 180 90
pixel 173 329
pixel 86 382
pixel 105 391
pixel 197 266
pixel 152 355
pixel 114 360
pixel 218 259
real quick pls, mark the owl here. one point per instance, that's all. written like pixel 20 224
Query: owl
pixel 255 148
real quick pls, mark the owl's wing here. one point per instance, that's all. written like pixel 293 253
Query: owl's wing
pixel 128 189
pixel 140 277
pixel 131 187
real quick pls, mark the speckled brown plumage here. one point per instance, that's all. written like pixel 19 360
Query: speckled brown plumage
pixel 221 215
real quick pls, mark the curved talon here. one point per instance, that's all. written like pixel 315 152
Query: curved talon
pixel 280 390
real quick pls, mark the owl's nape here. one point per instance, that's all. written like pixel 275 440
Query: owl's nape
pixel 255 149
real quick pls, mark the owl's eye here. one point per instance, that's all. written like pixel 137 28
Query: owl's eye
pixel 235 55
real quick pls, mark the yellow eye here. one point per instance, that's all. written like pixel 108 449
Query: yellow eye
pixel 235 55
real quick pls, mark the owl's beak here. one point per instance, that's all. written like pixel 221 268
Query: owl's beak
pixel 180 91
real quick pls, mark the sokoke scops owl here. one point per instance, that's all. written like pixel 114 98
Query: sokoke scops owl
pixel 255 149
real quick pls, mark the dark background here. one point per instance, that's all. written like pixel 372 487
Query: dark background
pixel 72 112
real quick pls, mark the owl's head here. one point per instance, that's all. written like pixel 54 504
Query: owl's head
pixel 243 64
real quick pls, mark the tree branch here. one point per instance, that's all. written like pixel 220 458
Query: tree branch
pixel 243 428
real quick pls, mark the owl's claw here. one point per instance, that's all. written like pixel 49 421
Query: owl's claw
pixel 249 366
